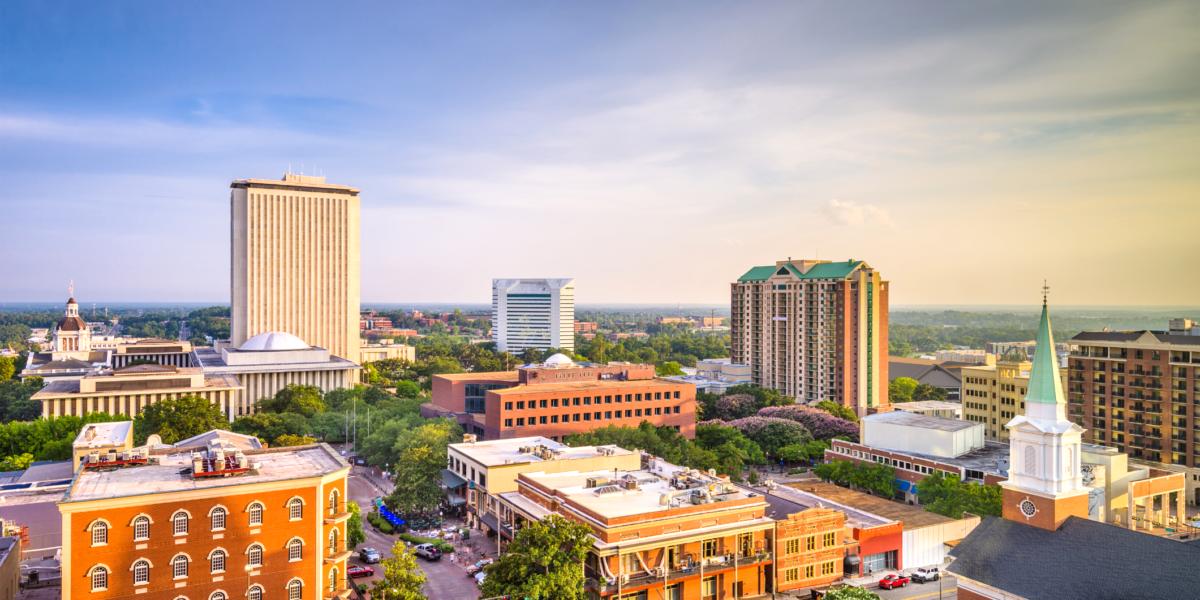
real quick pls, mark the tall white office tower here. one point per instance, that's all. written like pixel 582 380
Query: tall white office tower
pixel 533 313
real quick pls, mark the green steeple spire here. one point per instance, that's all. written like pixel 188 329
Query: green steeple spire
pixel 1045 383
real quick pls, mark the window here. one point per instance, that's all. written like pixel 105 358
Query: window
pixel 179 522
pixel 333 541
pixel 141 572
pixel 810 571
pixel 295 509
pixel 520 421
pixel 256 513
pixel 141 528
pixel 99 578
pixel 333 580
pixel 99 533
pixel 827 568
pixel 295 549
pixel 792 546
pixel 255 593
pixel 218 595
pixel 179 566
pixel 709 548
pixel 216 518
pixel 521 405
pixel 254 555
pixel 790 575
pixel 216 561
pixel 708 587
pixel 810 542
pixel 542 419
pixel 334 498
pixel 295 589
pixel 508 422
pixel 829 539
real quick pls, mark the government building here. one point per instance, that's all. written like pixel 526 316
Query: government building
pixel 533 314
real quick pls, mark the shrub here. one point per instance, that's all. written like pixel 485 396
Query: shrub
pixel 821 424
pixel 442 545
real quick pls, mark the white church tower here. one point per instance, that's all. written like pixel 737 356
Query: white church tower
pixel 1044 484
pixel 71 333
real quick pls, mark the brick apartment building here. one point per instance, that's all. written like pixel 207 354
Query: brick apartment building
pixel 560 397
pixel 211 522
pixel 814 330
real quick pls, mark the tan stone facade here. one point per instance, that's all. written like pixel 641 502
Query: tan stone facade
pixel 295 261
pixel 994 394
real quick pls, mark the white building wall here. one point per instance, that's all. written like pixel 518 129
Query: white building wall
pixel 533 313
pixel 926 546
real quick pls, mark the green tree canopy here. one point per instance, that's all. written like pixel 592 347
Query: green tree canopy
pixel 543 562
pixel 354 527
pixel 924 391
pixel 901 389
pixel 304 400
pixel 177 419
pixel 268 426
pixel 838 409
pixel 669 368
pixel 847 592
pixel 402 577
pixel 947 495
pixel 421 456
pixel 878 479
pixel 8 367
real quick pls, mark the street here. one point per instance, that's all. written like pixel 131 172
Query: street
pixel 444 580
pixel 921 591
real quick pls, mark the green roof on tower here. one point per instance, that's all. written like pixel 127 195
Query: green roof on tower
pixel 1045 382
pixel 825 270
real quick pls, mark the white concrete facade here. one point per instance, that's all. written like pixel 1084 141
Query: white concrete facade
pixel 533 313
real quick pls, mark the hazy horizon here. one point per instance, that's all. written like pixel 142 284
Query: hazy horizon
pixel 652 152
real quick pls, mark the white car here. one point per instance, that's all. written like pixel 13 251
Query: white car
pixel 926 574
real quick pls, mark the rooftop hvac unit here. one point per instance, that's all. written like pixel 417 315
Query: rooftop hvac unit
pixel 596 481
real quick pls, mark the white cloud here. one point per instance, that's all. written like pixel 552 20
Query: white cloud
pixel 854 214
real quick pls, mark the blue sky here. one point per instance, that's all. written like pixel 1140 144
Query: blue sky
pixel 653 151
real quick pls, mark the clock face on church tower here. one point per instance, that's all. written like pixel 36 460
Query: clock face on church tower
pixel 1027 508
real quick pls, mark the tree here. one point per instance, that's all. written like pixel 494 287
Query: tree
pixel 16 462
pixel 875 478
pixel 543 562
pixel 269 426
pixel 304 400
pixel 291 439
pixel 925 391
pixel 418 469
pixel 947 495
pixel 669 368
pixel 177 419
pixel 901 389
pixel 847 592
pixel 402 577
pixel 354 527
pixel 15 402
pixel 8 367
pixel 838 410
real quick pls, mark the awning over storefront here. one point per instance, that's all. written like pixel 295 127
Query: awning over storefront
pixel 451 480
pixel 456 500
pixel 490 520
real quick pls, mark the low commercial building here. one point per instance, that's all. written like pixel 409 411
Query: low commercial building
pixel 659 532
pixel 127 391
pixel 716 375
pixel 386 351
pixel 269 362
pixel 560 397
pixel 10 565
pixel 932 408
pixel 479 471
pixel 946 376
pixel 96 439
pixel 966 356
pixel 212 522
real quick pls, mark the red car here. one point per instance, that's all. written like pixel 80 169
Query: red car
pixel 892 582
pixel 356 571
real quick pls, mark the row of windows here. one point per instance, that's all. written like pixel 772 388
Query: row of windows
pixel 792 546
pixel 217 518
pixel 810 571
pixel 589 416
pixel 588 400
pixel 100 577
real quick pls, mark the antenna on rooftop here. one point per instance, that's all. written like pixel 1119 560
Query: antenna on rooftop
pixel 1045 291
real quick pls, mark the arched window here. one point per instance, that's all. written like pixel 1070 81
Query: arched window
pixel 99 533
pixel 333 541
pixel 333 580
pixel 295 589
pixel 295 509
pixel 141 528
pixel 99 576
pixel 141 572
pixel 295 549
pixel 254 555
pixel 333 501
pixel 217 595
pixel 179 522
pixel 256 513
pixel 216 518
pixel 179 566
pixel 254 593
pixel 216 561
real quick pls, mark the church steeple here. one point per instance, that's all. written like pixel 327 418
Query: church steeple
pixel 1045 380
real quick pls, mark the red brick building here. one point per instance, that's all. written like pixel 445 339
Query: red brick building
pixel 560 398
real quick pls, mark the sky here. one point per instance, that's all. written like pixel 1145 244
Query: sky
pixel 654 151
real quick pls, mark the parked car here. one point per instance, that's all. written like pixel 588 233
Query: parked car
pixel 369 555
pixel 478 566
pixel 892 582
pixel 356 571
pixel 428 552
pixel 926 574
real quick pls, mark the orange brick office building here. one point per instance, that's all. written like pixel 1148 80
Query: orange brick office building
pixel 207 523
pixel 560 398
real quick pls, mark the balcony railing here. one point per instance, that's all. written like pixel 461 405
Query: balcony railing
pixel 666 576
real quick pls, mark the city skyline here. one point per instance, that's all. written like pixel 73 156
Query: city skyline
pixel 873 133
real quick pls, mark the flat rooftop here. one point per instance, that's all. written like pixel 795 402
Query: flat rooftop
pixel 512 376
pixel 783 501
pixel 493 453
pixel 606 384
pixel 95 435
pixel 211 361
pixel 281 464
pixel 920 405
pixel 911 516
pixel 991 458
pixel 919 421
pixel 611 500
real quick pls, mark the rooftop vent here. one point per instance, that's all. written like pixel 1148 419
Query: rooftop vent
pixel 114 460
pixel 218 461
pixel 606 489
pixel 596 482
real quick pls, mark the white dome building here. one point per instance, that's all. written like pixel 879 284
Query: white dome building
pixel 273 340
pixel 558 361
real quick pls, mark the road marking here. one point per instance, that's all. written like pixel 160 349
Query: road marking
pixel 932 594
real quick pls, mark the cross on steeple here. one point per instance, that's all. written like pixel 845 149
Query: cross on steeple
pixel 1045 291
pixel 71 288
